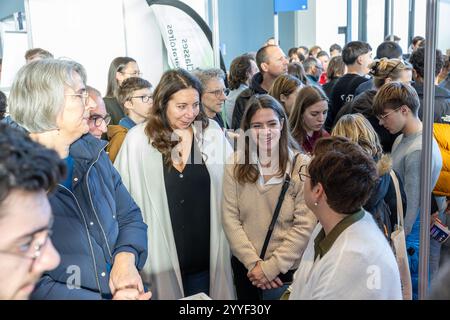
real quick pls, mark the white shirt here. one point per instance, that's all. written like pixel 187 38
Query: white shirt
pixel 359 265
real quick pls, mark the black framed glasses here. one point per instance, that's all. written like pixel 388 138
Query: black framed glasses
pixel 98 119
pixel 218 93
pixel 302 173
pixel 33 249
pixel 144 99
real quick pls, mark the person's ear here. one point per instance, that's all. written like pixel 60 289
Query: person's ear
pixel 281 124
pixel 283 98
pixel 119 76
pixel 387 80
pixel 318 192
pixel 128 105
pixel 265 67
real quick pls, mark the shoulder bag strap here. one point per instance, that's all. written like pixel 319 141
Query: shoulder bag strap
pixel 284 188
pixel 400 222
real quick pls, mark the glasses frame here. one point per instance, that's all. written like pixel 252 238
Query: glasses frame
pixel 384 116
pixel 96 117
pixel 148 98
pixel 219 92
pixel 134 74
pixel 35 248
pixel 83 96
pixel 302 175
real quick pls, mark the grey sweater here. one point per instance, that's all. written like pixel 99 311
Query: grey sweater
pixel 406 157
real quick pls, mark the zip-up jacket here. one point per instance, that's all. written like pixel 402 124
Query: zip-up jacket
pixel 94 220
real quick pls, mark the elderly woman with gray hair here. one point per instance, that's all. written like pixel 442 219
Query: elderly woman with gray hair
pixel 98 229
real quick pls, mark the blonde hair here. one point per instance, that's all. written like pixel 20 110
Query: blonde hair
pixel 387 68
pixel 358 129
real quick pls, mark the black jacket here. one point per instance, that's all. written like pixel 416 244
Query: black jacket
pixel 241 101
pixel 441 102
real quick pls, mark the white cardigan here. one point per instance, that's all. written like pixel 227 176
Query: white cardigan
pixel 141 168
pixel 360 265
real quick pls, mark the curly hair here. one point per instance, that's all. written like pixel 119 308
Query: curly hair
pixel 158 128
pixel 240 69
pixel 25 164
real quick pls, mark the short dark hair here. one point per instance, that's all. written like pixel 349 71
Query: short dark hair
pixel 262 56
pixel 292 51
pixel 347 173
pixel 3 105
pixel 322 54
pixel 394 94
pixel 417 60
pixel 390 50
pixel 335 47
pixel 240 69
pixel 25 164
pixel 129 86
pixel 353 50
pixel 417 39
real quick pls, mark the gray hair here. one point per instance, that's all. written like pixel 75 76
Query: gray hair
pixel 204 75
pixel 37 93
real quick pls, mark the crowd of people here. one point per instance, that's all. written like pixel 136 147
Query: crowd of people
pixel 280 179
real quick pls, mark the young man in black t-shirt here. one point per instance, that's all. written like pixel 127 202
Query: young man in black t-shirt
pixel 357 56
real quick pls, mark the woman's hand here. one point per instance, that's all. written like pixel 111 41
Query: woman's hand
pixel 124 274
pixel 259 279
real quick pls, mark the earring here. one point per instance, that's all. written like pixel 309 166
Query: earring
pixel 315 203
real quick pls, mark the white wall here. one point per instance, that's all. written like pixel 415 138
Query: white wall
pixel 443 29
pixel 319 24
pixel 94 32
pixel 90 32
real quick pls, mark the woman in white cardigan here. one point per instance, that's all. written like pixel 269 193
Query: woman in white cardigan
pixel 173 166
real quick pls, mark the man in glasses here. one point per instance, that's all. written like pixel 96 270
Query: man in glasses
pixel 98 118
pixel 396 106
pixel 214 93
pixel 27 172
pixel 135 95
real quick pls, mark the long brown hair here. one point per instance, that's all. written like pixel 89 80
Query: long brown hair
pixel 158 128
pixel 117 65
pixel 245 171
pixel 307 96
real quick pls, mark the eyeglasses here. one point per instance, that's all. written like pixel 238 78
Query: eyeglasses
pixel 98 119
pixel 145 99
pixel 302 173
pixel 84 96
pixel 33 250
pixel 133 74
pixel 218 93
pixel 384 116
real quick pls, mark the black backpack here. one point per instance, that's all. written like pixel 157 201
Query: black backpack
pixel 382 216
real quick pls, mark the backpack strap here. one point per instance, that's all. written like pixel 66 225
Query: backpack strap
pixel 286 183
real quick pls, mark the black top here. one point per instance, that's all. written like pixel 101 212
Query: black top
pixel 188 196
pixel 343 92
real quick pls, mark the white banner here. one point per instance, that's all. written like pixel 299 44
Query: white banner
pixel 184 35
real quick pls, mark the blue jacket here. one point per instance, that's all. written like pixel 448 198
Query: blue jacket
pixel 94 221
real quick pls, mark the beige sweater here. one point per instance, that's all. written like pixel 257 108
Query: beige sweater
pixel 247 211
